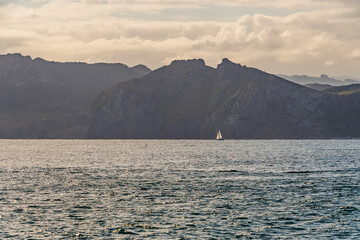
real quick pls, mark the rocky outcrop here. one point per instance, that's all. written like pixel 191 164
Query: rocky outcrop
pixel 188 99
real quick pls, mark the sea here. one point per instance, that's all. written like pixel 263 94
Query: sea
pixel 179 189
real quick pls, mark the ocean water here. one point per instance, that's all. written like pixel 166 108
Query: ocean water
pixel 179 189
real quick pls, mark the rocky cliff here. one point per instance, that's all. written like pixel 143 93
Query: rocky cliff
pixel 188 99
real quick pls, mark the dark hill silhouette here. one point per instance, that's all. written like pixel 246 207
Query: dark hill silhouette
pixel 188 99
pixel 42 99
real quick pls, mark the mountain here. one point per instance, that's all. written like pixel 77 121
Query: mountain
pixel 323 79
pixel 163 104
pixel 348 78
pixel 42 99
pixel 353 90
pixel 141 69
pixel 188 99
pixel 344 119
pixel 318 86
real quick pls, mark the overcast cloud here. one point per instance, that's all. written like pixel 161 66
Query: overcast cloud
pixel 292 37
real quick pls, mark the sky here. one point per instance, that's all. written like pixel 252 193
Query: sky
pixel 289 37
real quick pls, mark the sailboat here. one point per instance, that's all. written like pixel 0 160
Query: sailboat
pixel 218 136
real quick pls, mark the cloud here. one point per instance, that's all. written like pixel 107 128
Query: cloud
pixel 177 3
pixel 355 54
pixel 329 62
pixel 11 42
pixel 319 37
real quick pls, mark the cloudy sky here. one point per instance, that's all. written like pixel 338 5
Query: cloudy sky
pixel 291 37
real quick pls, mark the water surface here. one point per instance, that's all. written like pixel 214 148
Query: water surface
pixel 179 189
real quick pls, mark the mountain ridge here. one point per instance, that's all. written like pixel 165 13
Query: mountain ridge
pixel 188 99
pixel 183 100
pixel 47 99
pixel 323 79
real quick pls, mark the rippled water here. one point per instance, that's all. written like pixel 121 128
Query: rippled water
pixel 159 189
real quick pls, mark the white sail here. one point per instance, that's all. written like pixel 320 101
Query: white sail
pixel 218 136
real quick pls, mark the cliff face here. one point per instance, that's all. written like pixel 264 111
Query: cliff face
pixel 253 104
pixel 170 102
pixel 187 99
pixel 42 99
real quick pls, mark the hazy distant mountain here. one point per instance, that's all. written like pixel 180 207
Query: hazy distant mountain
pixel 347 78
pixel 42 99
pixel 323 79
pixel 353 89
pixel 188 99
pixel 318 86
